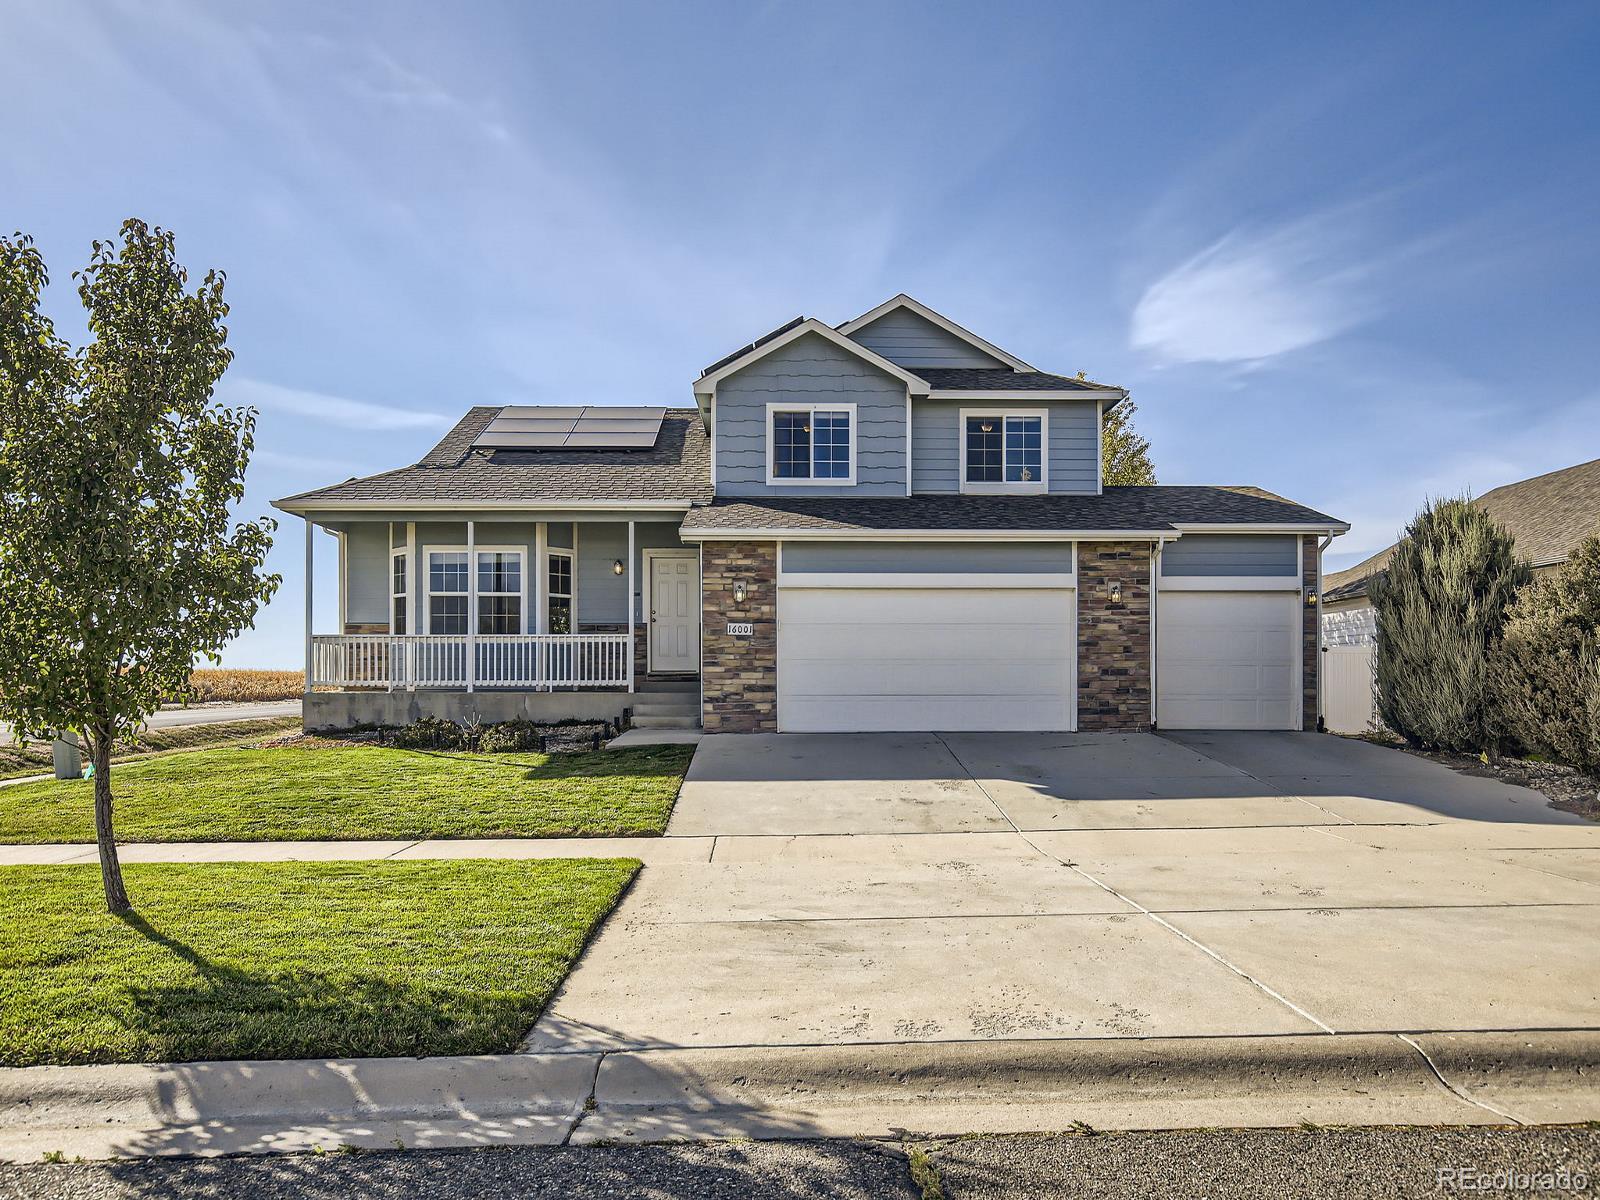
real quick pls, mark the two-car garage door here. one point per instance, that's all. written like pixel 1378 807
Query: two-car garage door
pixel 868 659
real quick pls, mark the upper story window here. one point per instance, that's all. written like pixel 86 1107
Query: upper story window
pixel 1003 450
pixel 815 444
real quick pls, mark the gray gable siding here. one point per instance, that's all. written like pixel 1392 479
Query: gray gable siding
pixel 1214 554
pixel 936 444
pixel 810 370
pixel 910 558
pixel 913 341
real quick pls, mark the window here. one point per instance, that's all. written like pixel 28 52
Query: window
pixel 560 590
pixel 812 445
pixel 1002 452
pixel 397 592
pixel 499 591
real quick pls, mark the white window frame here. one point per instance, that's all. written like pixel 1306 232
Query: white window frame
pixel 472 617
pixel 404 593
pixel 1002 487
pixel 774 480
pixel 570 596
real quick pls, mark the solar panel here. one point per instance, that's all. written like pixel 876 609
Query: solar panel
pixel 568 427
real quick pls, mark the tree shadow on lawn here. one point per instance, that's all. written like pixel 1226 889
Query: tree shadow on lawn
pixel 632 763
pixel 233 1013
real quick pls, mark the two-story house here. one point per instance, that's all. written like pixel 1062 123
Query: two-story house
pixel 891 524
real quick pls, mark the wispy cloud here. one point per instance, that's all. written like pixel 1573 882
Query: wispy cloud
pixel 1256 294
pixel 330 410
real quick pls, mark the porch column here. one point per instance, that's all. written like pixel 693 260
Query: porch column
pixel 630 605
pixel 472 605
pixel 308 605
pixel 541 578
pixel 413 613
pixel 389 656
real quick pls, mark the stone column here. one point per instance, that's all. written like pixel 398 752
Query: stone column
pixel 739 673
pixel 1113 636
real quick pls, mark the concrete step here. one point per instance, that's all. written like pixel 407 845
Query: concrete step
pixel 658 708
pixel 672 686
pixel 689 722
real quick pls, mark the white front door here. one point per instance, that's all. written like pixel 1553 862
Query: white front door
pixel 674 612
pixel 1228 660
pixel 877 659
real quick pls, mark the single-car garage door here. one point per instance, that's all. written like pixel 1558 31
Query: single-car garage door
pixel 875 659
pixel 1227 660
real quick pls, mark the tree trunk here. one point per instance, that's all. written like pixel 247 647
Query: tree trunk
pixel 100 739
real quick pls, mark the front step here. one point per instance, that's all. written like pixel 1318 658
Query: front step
pixel 680 722
pixel 667 687
pixel 666 708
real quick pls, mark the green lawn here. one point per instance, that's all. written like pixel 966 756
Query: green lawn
pixel 35 758
pixel 287 793
pixel 290 960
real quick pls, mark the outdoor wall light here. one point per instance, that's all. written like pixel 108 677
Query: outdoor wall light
pixel 1114 591
pixel 740 591
pixel 616 566
pixel 1311 597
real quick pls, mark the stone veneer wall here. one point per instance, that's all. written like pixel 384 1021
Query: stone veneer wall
pixel 739 675
pixel 1311 627
pixel 1113 639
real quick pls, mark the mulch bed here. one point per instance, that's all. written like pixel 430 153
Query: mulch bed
pixel 558 739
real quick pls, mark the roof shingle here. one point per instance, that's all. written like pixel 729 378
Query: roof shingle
pixel 1001 379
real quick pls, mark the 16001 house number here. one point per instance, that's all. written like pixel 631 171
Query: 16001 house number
pixel 741 628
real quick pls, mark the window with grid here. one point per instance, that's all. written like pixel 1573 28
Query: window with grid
pixel 499 591
pixel 811 443
pixel 397 593
pixel 447 591
pixel 560 592
pixel 1005 449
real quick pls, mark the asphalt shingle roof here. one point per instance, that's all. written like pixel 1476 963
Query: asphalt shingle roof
pixel 1547 516
pixel 677 467
pixel 1131 508
pixel 1000 379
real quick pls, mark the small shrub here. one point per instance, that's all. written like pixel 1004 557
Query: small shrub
pixel 431 733
pixel 1441 605
pixel 510 737
pixel 1546 670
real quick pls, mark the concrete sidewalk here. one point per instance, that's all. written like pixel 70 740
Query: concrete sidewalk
pixel 911 1090
pixel 647 849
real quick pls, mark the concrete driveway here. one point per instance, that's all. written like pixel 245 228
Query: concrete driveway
pixel 969 887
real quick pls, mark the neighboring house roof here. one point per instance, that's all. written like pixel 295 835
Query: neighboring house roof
pixel 1547 516
pixel 1132 509
pixel 939 319
pixel 676 469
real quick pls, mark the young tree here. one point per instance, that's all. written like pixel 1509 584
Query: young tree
pixel 119 562
pixel 1124 455
pixel 1440 607
pixel 1546 671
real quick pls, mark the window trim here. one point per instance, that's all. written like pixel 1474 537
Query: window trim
pixel 570 596
pixel 1002 487
pixel 426 567
pixel 403 594
pixel 776 407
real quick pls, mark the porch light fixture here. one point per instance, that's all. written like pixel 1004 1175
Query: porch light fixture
pixel 1311 597
pixel 1114 591
pixel 616 566
pixel 740 591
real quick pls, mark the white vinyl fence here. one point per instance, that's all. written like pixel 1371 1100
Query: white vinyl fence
pixel 1347 704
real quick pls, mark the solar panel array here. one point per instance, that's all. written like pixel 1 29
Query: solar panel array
pixel 572 427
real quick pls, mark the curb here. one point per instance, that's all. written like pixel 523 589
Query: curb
pixel 948 1089
pixel 886 1091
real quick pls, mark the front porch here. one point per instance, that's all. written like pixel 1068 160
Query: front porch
pixel 515 617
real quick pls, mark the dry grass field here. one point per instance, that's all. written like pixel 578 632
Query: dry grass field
pixel 244 686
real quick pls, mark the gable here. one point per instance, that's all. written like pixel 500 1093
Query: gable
pixel 912 341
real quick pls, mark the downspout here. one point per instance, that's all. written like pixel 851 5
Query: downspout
pixel 1155 605
pixel 1322 723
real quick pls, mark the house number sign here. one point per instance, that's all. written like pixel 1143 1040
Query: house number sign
pixel 741 628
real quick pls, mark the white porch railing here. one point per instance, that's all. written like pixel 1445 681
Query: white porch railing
pixel 521 660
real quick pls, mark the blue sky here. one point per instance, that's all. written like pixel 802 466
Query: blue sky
pixel 1346 253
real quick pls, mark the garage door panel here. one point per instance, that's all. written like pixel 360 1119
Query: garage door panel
pixel 1227 660
pixel 905 659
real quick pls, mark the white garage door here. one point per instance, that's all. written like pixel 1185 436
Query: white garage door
pixel 874 659
pixel 1227 660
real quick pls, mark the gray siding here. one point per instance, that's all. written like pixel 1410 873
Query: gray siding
pixel 602 594
pixel 366 563
pixel 936 444
pixel 810 370
pixel 1216 554
pixel 906 558
pixel 912 341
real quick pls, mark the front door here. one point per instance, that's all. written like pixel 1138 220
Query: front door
pixel 674 612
